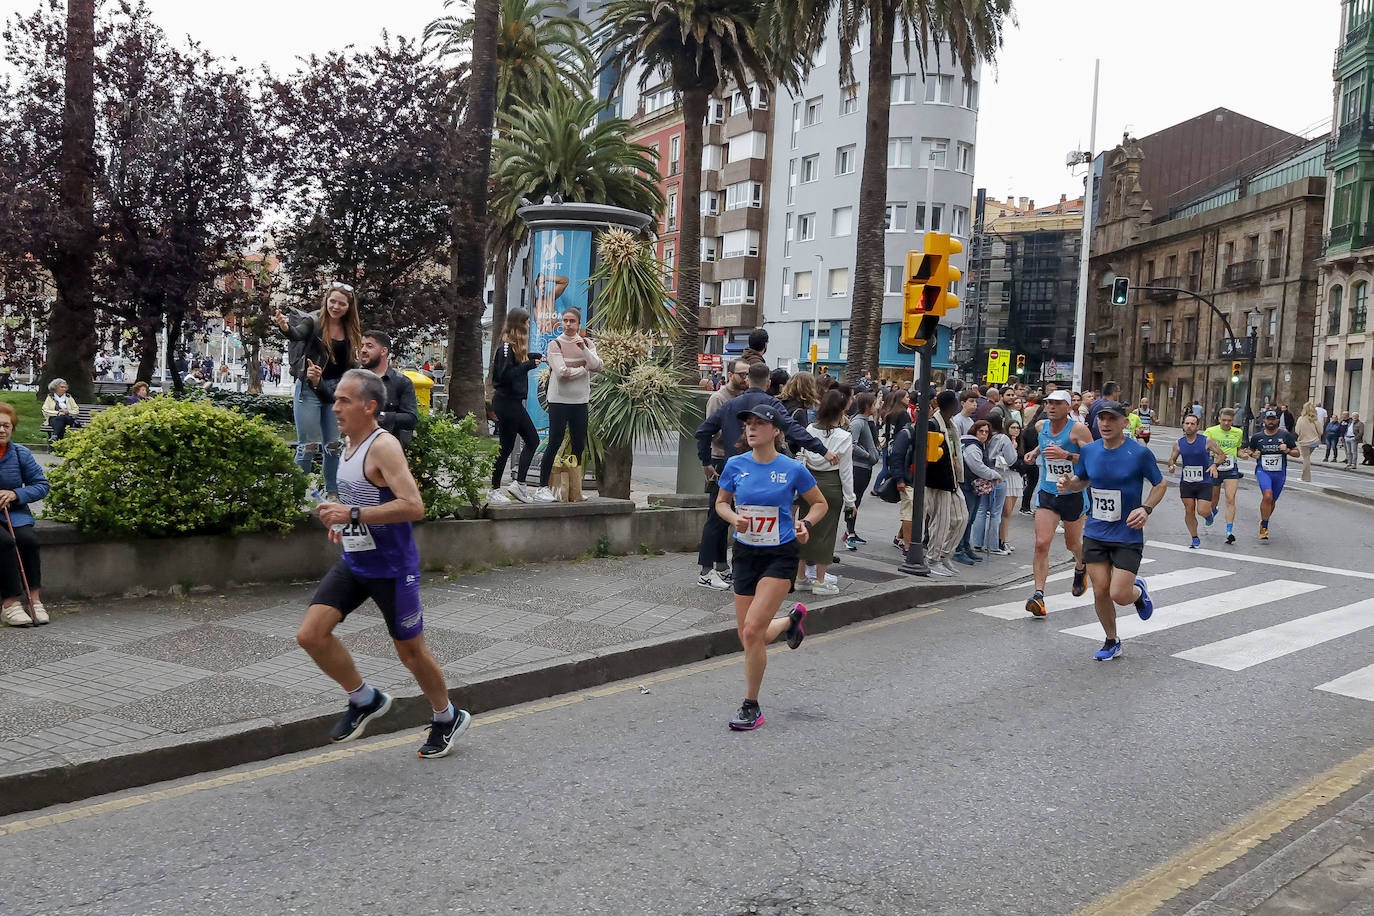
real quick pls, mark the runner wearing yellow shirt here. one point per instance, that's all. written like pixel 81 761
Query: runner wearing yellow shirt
pixel 1229 438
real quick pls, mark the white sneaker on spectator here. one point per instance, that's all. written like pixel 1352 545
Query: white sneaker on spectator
pixel 497 498
pixel 712 580
pixel 804 584
pixel 14 616
pixel 545 495
pixel 518 490
pixel 826 588
pixel 40 613
pixel 937 570
pixel 944 564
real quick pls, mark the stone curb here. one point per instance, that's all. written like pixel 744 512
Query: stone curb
pixel 24 787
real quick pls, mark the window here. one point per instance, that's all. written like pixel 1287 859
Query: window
pixel 712 157
pixel 670 265
pixel 969 97
pixel 1350 98
pixel 753 145
pixel 710 292
pixel 839 282
pixel 895 280
pixel 934 151
pixel 787 239
pixel 904 89
pixel 937 217
pixel 845 158
pixel 1341 213
pixel 743 194
pixel 1333 311
pixel 1228 254
pixel 792 182
pixel 849 101
pixel 709 249
pixel 739 244
pixel 674 154
pixel 737 103
pixel 806 227
pixel 715 111
pixel 710 203
pixel 959 221
pixel 661 97
pixel 1252 248
pixel 801 285
pixel 939 88
pixel 812 115
pixel 899 153
pixel 1359 306
pixel 796 122
pixel 810 169
pixel 672 210
pixel 760 97
pixel 894 218
pixel 1149 270
pixel 786 289
pixel 842 221
pixel 963 157
pixel 735 292
pixel 1275 254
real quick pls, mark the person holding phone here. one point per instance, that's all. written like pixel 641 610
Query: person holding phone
pixel 510 382
pixel 756 495
pixel 572 359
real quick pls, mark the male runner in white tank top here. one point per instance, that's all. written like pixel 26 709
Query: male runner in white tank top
pixel 378 500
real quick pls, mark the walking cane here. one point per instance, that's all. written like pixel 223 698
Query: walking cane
pixel 18 556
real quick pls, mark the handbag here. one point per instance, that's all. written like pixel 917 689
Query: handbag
pixel 983 486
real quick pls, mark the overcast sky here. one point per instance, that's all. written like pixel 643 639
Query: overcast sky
pixel 1162 62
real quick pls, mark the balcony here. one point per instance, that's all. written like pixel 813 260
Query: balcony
pixel 1159 354
pixel 1356 132
pixel 1242 273
pixel 1357 34
pixel 1350 235
pixel 1153 289
pixel 1187 351
pixel 1194 283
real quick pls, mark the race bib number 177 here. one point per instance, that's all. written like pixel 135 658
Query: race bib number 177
pixel 763 526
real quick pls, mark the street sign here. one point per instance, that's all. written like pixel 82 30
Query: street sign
pixel 708 362
pixel 999 362
pixel 1243 347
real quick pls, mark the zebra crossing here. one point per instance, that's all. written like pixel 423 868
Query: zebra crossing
pixel 1213 592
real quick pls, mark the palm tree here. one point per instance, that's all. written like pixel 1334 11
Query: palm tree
pixel 973 30
pixel 701 46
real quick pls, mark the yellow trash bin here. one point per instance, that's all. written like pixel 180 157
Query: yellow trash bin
pixel 423 383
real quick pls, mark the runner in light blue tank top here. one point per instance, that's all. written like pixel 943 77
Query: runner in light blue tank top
pixel 1056 453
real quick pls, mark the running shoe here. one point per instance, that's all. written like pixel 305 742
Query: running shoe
pixel 851 542
pixel 712 580
pixel 1197 542
pixel 1035 604
pixel 354 721
pixel 1230 538
pixel 961 557
pixel 545 495
pixel 14 616
pixel 1211 518
pixel 826 588
pixel 40 613
pixel 749 717
pixel 936 569
pixel 1143 605
pixel 443 734
pixel 726 575
pixel 1000 551
pixel 498 498
pixel 1110 649
pixel 945 567
pixel 858 540
pixel 795 631
pixel 1080 581
pixel 519 491
pixel 1264 533
pixel 803 584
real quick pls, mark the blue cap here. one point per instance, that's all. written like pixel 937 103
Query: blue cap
pixel 764 412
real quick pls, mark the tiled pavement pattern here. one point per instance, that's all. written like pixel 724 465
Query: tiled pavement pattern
pixel 109 672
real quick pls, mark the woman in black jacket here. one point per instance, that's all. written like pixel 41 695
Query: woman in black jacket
pixel 510 382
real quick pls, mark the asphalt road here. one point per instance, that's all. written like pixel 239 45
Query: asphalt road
pixel 948 760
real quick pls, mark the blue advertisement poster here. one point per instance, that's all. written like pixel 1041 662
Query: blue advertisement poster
pixel 562 264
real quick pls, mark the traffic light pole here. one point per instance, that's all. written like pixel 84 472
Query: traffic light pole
pixel 915 564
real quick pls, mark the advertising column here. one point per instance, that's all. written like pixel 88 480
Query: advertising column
pixel 562 265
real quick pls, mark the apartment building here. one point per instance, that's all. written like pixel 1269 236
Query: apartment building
pixel 812 192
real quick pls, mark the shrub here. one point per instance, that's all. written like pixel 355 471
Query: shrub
pixel 450 463
pixel 272 407
pixel 168 467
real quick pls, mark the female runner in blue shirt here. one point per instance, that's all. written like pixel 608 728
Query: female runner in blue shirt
pixel 757 492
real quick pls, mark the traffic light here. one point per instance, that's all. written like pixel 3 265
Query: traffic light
pixel 1021 364
pixel 1121 289
pixel 1235 372
pixel 813 354
pixel 1149 379
pixel 926 295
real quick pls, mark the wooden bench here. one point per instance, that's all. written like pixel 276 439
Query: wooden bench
pixel 87 411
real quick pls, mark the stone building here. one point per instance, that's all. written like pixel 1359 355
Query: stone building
pixel 1250 243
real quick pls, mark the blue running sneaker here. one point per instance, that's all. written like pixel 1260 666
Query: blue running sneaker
pixel 1110 650
pixel 1211 518
pixel 1143 605
pixel 1197 542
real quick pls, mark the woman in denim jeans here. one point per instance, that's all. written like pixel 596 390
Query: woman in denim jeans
pixel 999 454
pixel 323 347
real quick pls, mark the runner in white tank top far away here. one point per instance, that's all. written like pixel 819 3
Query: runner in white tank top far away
pixel 1060 442
pixel 378 501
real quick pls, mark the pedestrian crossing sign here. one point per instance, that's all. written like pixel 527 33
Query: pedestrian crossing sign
pixel 999 363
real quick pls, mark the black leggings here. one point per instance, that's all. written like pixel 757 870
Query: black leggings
pixel 513 420
pixel 563 419
pixel 1032 476
pixel 11 583
pixel 862 477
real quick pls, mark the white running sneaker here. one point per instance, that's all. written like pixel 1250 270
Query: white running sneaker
pixel 14 616
pixel 519 491
pixel 40 613
pixel 826 588
pixel 712 580
pixel 804 584
pixel 937 570
pixel 545 495
pixel 497 498
pixel 944 564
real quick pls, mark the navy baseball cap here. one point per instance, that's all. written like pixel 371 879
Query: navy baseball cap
pixel 1270 415
pixel 764 412
pixel 1114 407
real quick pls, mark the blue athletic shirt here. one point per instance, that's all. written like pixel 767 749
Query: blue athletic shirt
pixel 776 484
pixel 1194 456
pixel 1273 450
pixel 1117 478
pixel 1052 470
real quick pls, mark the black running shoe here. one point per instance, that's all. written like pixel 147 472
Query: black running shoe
pixel 795 631
pixel 1080 584
pixel 749 717
pixel 443 734
pixel 1230 538
pixel 354 722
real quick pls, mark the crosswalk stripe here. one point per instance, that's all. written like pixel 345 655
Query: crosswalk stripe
pixel 1264 561
pixel 1358 684
pixel 1056 577
pixel 1176 615
pixel 1241 652
pixel 1015 610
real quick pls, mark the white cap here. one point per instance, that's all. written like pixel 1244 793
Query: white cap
pixel 1059 394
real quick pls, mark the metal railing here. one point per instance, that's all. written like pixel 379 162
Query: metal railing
pixel 1153 292
pixel 1242 273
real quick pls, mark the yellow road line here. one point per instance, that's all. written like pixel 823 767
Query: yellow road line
pixel 519 712
pixel 1167 880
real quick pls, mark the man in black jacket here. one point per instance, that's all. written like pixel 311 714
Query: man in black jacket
pixel 401 412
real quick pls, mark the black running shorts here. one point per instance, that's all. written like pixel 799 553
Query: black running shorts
pixel 750 564
pixel 1068 506
pixel 1195 490
pixel 398 599
pixel 1120 556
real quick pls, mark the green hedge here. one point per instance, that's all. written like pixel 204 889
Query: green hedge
pixel 452 466
pixel 169 467
pixel 273 407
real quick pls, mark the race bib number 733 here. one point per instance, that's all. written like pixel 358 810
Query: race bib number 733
pixel 1106 505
